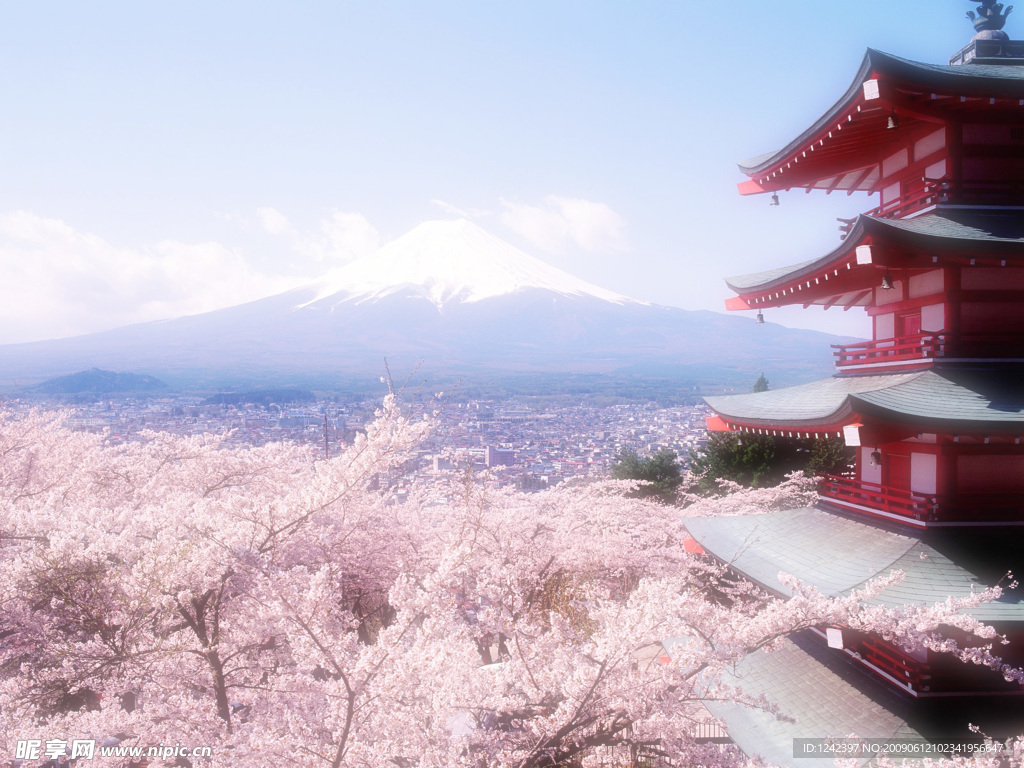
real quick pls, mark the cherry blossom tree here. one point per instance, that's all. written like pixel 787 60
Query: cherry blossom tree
pixel 799 489
pixel 293 612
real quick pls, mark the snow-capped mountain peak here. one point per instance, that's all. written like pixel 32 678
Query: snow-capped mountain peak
pixel 447 261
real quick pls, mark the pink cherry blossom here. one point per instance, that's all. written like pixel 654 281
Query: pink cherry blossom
pixel 293 612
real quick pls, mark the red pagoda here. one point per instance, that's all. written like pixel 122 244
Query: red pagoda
pixel 933 404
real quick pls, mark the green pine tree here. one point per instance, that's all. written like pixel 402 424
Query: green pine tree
pixel 661 474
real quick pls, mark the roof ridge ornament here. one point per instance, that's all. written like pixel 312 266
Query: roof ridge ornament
pixel 990 18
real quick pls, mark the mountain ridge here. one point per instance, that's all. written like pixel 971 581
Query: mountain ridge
pixel 505 316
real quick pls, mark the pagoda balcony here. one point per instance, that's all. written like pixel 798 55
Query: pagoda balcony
pixel 898 666
pixel 929 193
pixel 859 495
pixel 921 350
pixel 902 351
pixel 934 675
pixel 919 509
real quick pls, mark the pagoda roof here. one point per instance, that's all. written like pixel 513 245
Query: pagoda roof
pixel 838 555
pixel 945 235
pixel 950 400
pixel 817 404
pixel 820 702
pixel 914 90
pixel 986 228
pixel 930 401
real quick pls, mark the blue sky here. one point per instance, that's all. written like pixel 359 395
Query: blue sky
pixel 161 159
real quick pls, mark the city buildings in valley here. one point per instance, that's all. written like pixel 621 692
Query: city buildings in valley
pixel 510 442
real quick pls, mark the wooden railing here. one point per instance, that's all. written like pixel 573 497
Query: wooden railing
pixel 890 660
pixel 922 347
pixel 925 347
pixel 961 507
pixel 916 506
pixel 928 192
pixel 918 196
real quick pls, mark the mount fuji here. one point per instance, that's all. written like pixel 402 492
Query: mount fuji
pixel 449 298
pixel 451 262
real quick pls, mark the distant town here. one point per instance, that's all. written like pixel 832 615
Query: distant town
pixel 519 443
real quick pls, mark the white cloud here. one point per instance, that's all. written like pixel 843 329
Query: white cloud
pixel 562 222
pixel 274 222
pixel 56 281
pixel 342 237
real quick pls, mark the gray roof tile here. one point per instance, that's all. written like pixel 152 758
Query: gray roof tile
pixel 949 400
pixel 944 400
pixel 822 704
pixel 818 401
pixel 837 555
